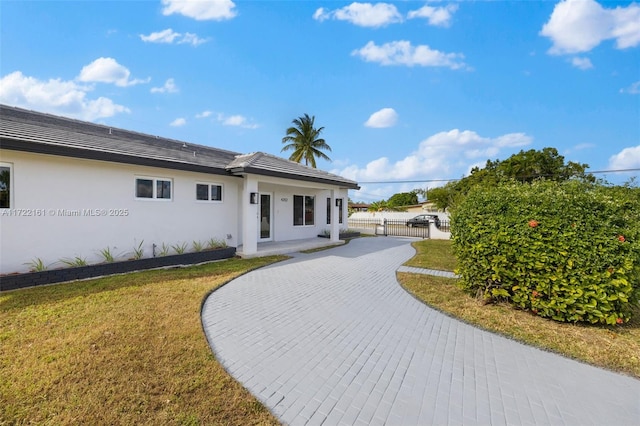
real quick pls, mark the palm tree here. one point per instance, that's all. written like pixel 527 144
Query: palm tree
pixel 303 139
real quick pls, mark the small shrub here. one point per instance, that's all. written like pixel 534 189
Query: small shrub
pixel 74 262
pixel 107 255
pixel 215 243
pixel 180 248
pixel 197 246
pixel 567 251
pixel 138 251
pixel 36 265
pixel 165 250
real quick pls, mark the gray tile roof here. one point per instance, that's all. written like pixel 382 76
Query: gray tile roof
pixel 31 131
pixel 37 132
pixel 270 165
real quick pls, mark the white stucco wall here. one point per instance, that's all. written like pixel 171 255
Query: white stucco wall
pixel 436 234
pixel 46 187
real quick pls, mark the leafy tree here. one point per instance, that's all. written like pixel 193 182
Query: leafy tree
pixel 525 167
pixel 384 206
pixel 403 199
pixel 440 196
pixel 305 142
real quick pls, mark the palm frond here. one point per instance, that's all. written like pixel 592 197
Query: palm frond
pixel 303 139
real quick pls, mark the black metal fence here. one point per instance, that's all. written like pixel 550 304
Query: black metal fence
pixel 395 227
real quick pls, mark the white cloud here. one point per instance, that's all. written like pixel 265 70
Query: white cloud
pixel 201 10
pixel 236 121
pixel 362 14
pixel 192 39
pixel 321 14
pixel 441 155
pixel 168 87
pixel 634 89
pixel 403 53
pixel 386 117
pixel 580 25
pixel 164 36
pixel 628 158
pixel 581 63
pixel 56 96
pixel 169 36
pixel 108 70
pixel 204 114
pixel 436 16
pixel 579 147
pixel 178 122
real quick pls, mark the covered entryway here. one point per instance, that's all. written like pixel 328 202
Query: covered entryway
pixel 281 201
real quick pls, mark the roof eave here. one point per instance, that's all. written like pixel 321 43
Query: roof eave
pixel 263 172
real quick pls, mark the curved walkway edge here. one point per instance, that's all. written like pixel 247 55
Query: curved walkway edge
pixel 331 338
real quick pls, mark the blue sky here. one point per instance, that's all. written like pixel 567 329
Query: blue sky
pixel 406 91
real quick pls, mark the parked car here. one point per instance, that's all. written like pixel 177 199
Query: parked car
pixel 423 220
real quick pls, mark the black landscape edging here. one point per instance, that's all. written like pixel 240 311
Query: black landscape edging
pixel 343 235
pixel 32 279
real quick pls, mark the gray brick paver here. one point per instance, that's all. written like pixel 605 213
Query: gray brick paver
pixel 331 338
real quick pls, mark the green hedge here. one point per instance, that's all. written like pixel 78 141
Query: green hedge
pixel 568 251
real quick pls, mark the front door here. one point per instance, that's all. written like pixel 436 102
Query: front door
pixel 265 218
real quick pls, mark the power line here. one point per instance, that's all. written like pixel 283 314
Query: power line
pixel 413 181
pixel 615 171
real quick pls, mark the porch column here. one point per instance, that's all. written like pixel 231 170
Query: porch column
pixel 250 216
pixel 335 226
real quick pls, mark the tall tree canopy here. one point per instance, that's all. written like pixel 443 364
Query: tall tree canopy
pixel 403 199
pixel 525 166
pixel 305 142
pixel 396 203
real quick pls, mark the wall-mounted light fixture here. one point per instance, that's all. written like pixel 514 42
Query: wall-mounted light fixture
pixel 253 198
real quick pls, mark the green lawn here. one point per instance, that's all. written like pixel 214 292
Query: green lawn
pixel 613 347
pixel 130 349
pixel 433 254
pixel 126 349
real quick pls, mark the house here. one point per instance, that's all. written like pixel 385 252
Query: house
pixel 72 189
pixel 426 206
pixel 358 207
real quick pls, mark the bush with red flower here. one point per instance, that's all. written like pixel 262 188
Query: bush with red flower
pixel 569 251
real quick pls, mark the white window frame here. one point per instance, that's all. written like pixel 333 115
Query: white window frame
pixel 11 180
pixel 209 185
pixel 304 209
pixel 154 188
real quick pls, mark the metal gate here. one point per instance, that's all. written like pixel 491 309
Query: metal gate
pixel 394 227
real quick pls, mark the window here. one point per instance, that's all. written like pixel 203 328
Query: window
pixel 329 210
pixel 153 188
pixel 303 210
pixel 208 192
pixel 5 186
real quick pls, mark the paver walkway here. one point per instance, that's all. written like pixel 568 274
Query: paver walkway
pixel 331 338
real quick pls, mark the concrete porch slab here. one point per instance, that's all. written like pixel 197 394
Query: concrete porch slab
pixel 271 248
